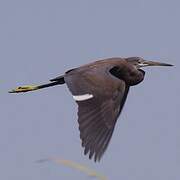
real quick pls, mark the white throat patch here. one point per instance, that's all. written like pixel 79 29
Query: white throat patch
pixel 83 97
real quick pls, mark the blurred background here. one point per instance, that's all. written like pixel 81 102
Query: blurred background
pixel 41 39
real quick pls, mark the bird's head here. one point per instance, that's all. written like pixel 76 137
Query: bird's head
pixel 139 62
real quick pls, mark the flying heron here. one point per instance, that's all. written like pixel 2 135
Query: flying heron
pixel 100 89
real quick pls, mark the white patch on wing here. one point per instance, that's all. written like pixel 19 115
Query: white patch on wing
pixel 83 97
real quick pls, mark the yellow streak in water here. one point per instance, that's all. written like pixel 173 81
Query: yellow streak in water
pixel 77 166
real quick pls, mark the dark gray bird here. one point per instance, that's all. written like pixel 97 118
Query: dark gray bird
pixel 100 90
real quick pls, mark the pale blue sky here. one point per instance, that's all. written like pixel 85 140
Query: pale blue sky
pixel 41 39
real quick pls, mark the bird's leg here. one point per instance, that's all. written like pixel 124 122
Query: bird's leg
pixel 21 89
pixel 27 88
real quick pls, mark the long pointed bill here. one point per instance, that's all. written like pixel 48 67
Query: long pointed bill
pixel 153 63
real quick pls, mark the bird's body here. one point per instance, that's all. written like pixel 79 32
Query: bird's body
pixel 102 72
pixel 100 90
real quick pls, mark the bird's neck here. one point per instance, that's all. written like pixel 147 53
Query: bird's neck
pixel 133 76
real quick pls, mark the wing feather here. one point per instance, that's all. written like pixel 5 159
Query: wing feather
pixel 97 116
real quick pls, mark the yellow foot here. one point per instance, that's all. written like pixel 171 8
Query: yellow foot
pixel 23 89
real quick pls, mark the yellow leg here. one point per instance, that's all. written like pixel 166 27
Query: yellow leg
pixel 33 88
pixel 24 89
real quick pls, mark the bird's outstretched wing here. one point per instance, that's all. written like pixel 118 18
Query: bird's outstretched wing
pixel 98 109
